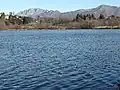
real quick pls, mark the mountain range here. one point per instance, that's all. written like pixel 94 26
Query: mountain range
pixel 106 10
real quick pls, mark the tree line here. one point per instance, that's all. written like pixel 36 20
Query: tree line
pixel 88 17
pixel 91 21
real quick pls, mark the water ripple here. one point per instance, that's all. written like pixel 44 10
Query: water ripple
pixel 59 60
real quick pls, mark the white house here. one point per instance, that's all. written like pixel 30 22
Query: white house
pixel 6 16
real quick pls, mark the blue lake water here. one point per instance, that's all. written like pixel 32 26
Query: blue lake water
pixel 59 60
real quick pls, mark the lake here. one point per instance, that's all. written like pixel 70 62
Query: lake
pixel 59 60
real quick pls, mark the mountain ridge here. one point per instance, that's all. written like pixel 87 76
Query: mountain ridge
pixel 106 10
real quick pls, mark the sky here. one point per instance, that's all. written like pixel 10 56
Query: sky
pixel 61 5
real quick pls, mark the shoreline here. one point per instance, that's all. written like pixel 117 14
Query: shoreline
pixel 57 28
pixel 65 29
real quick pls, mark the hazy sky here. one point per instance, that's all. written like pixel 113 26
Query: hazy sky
pixel 61 5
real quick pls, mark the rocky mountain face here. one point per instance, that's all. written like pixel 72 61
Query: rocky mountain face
pixel 35 12
pixel 106 10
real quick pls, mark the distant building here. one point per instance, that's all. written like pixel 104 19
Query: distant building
pixel 0 14
pixel 7 16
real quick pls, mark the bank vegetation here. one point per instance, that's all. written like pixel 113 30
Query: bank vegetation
pixel 88 21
